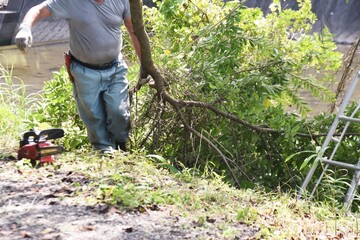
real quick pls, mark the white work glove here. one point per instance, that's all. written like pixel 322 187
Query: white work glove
pixel 23 38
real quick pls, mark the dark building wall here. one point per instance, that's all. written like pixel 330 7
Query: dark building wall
pixel 9 16
pixel 343 19
pixel 149 3
pixel 264 4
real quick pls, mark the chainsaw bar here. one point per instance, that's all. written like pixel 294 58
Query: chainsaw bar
pixel 53 133
pixel 52 150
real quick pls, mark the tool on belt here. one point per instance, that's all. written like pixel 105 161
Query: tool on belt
pixel 36 146
pixel 68 60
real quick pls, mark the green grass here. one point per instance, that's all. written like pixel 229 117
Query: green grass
pixel 14 108
pixel 134 182
pixel 138 182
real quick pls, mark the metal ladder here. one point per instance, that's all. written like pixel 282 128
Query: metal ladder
pixel 330 137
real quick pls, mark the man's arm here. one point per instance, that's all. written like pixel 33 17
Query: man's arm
pixel 135 41
pixel 23 38
pixel 36 13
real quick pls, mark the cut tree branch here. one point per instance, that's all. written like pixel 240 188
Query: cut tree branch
pixel 161 90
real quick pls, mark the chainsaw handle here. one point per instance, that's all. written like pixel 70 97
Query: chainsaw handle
pixel 53 133
pixel 29 134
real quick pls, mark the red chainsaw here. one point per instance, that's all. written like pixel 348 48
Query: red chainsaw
pixel 36 145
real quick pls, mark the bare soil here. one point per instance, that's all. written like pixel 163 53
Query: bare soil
pixel 45 203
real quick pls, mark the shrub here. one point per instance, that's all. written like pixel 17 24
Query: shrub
pixel 57 108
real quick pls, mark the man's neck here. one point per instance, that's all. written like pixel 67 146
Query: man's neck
pixel 100 1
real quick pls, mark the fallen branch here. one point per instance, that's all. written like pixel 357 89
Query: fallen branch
pixel 160 85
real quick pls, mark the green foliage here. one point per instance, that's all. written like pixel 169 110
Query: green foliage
pixel 243 214
pixel 15 107
pixel 335 183
pixel 58 109
pixel 164 163
pixel 243 63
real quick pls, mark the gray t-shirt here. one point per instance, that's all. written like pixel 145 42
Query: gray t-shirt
pixel 95 29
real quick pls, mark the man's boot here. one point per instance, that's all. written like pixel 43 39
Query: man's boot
pixel 121 146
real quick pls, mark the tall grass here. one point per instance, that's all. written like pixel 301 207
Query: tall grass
pixel 15 107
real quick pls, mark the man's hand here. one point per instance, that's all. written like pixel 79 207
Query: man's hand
pixel 144 78
pixel 23 38
pixel 143 74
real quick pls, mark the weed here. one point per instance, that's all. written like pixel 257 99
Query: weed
pixel 15 108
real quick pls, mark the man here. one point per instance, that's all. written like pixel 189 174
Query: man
pixel 100 87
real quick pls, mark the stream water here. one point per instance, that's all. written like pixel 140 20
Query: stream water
pixel 38 64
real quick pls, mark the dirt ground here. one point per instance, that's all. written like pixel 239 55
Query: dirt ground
pixel 46 204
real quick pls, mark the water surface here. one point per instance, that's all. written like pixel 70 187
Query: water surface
pixel 36 65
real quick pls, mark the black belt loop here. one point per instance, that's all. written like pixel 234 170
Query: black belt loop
pixel 100 67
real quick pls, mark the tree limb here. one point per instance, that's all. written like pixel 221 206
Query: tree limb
pixel 161 90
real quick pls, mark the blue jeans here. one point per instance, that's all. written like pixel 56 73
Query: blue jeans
pixel 102 100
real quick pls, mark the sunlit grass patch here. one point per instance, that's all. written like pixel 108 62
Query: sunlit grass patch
pixel 136 182
pixel 15 107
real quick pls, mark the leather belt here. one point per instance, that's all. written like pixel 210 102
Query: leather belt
pixel 95 67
